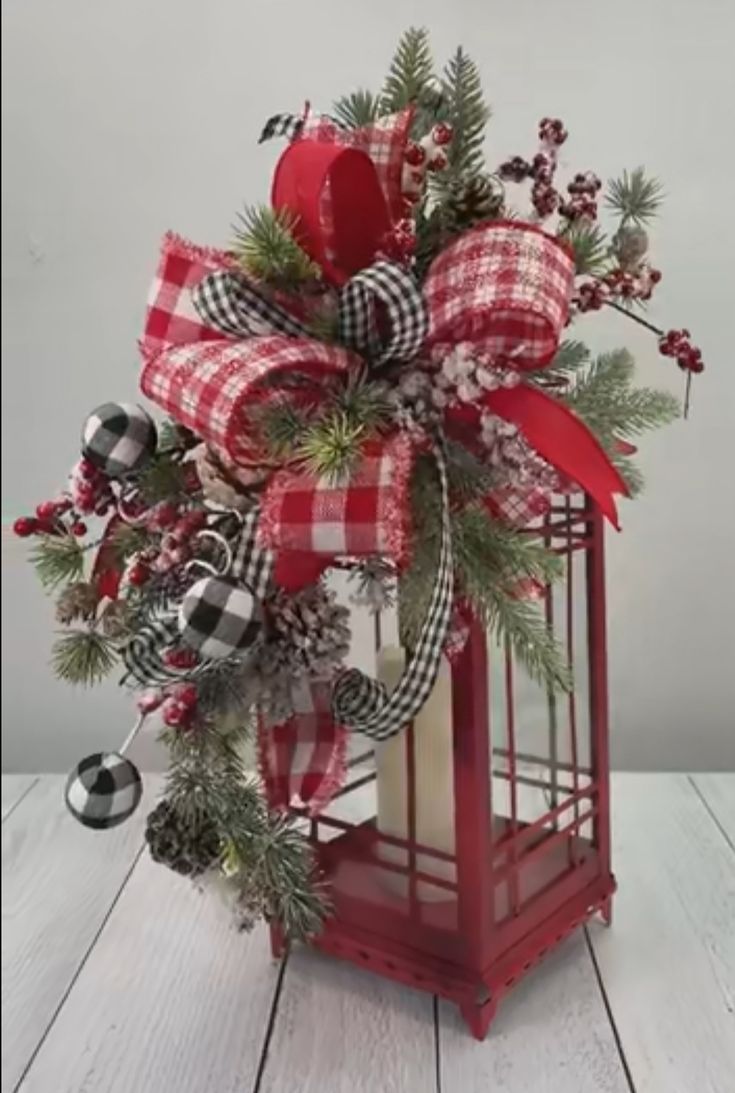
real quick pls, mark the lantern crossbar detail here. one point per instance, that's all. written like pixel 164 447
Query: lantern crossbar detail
pixel 530 859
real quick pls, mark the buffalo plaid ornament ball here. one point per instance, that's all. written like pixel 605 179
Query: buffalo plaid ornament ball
pixel 119 438
pixel 219 617
pixel 103 790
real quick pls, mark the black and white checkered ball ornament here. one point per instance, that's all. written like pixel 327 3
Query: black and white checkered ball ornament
pixel 119 438
pixel 219 617
pixel 103 790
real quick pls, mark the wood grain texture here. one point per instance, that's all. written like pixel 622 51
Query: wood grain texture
pixel 59 882
pixel 551 1033
pixel 173 999
pixel 340 1030
pixel 668 963
pixel 718 791
pixel 14 788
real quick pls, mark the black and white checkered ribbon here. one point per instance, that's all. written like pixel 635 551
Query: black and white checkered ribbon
pixel 143 655
pixel 392 286
pixel 362 704
pixel 230 304
pixel 282 125
pixel 291 126
pixel 251 564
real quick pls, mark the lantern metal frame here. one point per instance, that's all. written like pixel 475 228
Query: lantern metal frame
pixel 523 881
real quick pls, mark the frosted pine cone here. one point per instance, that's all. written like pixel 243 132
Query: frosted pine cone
pixel 78 601
pixel 188 846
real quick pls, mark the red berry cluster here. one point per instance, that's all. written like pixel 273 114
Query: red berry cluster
pixel 176 527
pixel 90 489
pixel 677 343
pixel 178 704
pixel 423 156
pixel 399 243
pixel 590 295
pixel 552 131
pixel 617 284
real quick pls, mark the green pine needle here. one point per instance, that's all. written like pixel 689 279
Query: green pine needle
pixel 267 249
pixel 635 197
pixel 411 73
pixel 127 540
pixel 83 657
pixel 58 560
pixel 357 109
pixel 364 403
pixel 163 479
pixel 467 113
pixel 570 358
pixel 607 402
pixel 590 246
pixel 331 446
pixel 280 426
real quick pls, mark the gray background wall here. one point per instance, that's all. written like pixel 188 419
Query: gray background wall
pixel 123 119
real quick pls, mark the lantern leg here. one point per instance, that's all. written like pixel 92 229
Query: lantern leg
pixel 278 941
pixel 606 911
pixel 478 1015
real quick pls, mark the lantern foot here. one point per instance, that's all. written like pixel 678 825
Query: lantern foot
pixel 278 941
pixel 606 911
pixel 478 1015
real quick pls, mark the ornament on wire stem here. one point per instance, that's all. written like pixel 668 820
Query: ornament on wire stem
pixel 219 617
pixel 119 438
pixel 105 788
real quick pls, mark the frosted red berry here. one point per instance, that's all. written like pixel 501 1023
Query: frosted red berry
pixel 25 526
pixel 442 133
pixel 79 528
pixel 415 155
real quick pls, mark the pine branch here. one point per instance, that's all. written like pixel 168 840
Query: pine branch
pixel 411 73
pixel 83 657
pixel 608 403
pixel 522 625
pixel 331 445
pixel 590 246
pixel 467 112
pixel 490 560
pixel 634 197
pixel 127 540
pixel 267 249
pixel 280 426
pixel 163 479
pixel 58 560
pixel 271 865
pixel 357 109
pixel 364 402
pixel 570 358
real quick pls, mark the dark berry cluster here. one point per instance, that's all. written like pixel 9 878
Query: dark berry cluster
pixel 677 343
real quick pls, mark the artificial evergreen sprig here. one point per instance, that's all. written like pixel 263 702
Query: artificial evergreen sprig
pixel 357 109
pixel 635 197
pixel 465 109
pixel 58 559
pixel 604 397
pixel 270 865
pixel 267 249
pixel 83 657
pixel 411 73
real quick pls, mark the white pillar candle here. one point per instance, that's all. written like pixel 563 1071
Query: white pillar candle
pixel 433 778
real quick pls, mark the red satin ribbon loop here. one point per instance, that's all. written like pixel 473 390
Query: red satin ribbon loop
pixel 310 173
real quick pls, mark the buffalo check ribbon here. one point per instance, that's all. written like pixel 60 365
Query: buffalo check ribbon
pixel 361 703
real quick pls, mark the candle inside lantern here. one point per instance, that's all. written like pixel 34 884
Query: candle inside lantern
pixel 433 783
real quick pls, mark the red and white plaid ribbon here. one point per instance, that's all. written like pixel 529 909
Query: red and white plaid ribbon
pixel 302 760
pixel 366 514
pixel 505 286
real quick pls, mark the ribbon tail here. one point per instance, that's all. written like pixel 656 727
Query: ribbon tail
pixel 563 440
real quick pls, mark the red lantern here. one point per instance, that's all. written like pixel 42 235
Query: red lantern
pixel 530 854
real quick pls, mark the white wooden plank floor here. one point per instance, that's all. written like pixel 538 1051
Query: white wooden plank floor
pixel 120 978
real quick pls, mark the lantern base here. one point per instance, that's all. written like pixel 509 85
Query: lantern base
pixel 422 944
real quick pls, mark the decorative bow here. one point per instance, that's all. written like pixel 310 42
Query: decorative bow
pixel 217 349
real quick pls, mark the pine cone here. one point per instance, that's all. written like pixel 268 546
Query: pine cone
pixel 188 847
pixel 116 620
pixel 78 601
pixel 477 198
pixel 630 245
